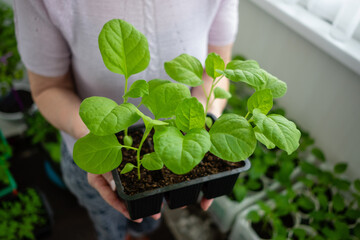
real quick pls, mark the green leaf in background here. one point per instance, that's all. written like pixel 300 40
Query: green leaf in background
pixel 300 233
pixel 258 168
pixel 341 184
pixel 253 216
pixel 318 154
pixel 164 97
pixel 340 168
pixel 283 175
pixel 305 203
pixel 262 100
pixel 309 168
pixel 282 132
pixel 214 62
pixel 323 201
pixel 103 116
pixel 138 89
pixel 232 137
pixel 357 184
pixel 239 192
pixel 185 69
pixel 178 152
pixel 124 49
pixel 221 93
pixel 338 203
pixel 97 154
pixel 151 161
pixel 190 114
pixel 128 167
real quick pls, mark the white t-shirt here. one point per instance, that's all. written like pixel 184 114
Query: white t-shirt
pixel 54 35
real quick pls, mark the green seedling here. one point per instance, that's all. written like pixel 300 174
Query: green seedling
pixel 180 139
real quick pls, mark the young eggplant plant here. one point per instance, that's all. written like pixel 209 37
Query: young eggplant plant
pixel 180 139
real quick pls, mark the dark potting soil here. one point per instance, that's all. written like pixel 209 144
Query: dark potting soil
pixel 263 228
pixel 287 220
pixel 160 178
pixel 8 103
pixel 271 171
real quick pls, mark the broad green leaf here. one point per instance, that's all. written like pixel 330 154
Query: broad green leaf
pixel 128 167
pixel 282 132
pixel 185 69
pixel 97 154
pixel 151 162
pixel 149 122
pixel 208 122
pixel 249 72
pixel 338 203
pixel 240 64
pixel 221 93
pixel 181 153
pixel 103 116
pixel 124 49
pixel 138 89
pixel 190 114
pixel 232 137
pixel 340 168
pixel 164 97
pixel 357 184
pixel 278 88
pixel 214 62
pixel 262 100
pixel 264 140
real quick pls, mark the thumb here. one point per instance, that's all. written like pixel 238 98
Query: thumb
pixel 110 180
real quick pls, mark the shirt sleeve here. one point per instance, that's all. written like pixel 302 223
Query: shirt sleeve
pixel 224 28
pixel 42 47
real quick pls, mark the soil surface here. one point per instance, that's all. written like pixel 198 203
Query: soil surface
pixel 263 228
pixel 160 178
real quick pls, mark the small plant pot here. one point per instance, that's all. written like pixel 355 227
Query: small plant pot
pixel 178 195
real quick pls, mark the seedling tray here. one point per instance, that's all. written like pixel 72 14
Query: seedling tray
pixel 180 194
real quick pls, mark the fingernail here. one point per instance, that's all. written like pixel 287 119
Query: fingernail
pixel 112 185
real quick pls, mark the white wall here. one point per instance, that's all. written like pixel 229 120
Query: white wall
pixel 323 95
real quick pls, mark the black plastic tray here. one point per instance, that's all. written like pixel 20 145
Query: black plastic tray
pixel 180 194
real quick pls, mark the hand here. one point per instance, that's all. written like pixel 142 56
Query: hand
pixel 105 185
pixel 206 203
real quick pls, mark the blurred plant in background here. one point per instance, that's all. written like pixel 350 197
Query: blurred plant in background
pixel 10 64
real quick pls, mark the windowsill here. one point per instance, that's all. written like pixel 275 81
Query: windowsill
pixel 314 30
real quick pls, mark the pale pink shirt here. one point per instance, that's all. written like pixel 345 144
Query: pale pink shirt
pixel 54 35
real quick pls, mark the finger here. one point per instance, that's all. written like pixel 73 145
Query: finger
pixel 156 216
pixel 110 179
pixel 102 186
pixel 205 203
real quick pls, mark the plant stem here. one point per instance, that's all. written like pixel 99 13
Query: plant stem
pixel 208 97
pixel 219 80
pixel 125 100
pixel 128 147
pixel 125 90
pixel 147 131
pixel 247 115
